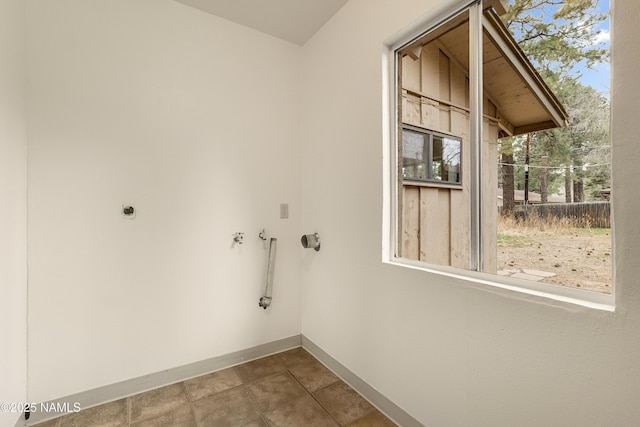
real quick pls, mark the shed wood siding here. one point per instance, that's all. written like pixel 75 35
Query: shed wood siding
pixel 435 220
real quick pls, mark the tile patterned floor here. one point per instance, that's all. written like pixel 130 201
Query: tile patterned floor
pixel 287 389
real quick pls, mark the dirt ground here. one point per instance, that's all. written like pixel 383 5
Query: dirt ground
pixel 580 258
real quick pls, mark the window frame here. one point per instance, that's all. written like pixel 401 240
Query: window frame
pixel 392 128
pixel 428 161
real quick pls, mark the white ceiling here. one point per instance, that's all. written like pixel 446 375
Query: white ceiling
pixel 292 20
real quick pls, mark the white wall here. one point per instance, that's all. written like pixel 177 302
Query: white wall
pixel 193 119
pixel 13 208
pixel 196 121
pixel 450 353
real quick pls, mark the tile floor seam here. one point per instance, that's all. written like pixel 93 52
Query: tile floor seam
pixel 265 419
pixel 242 389
pixel 252 399
pixel 305 388
pixel 326 410
pixel 286 372
pixel 329 385
pixel 374 407
pixel 370 411
pixel 314 398
pixel 208 396
pixel 193 412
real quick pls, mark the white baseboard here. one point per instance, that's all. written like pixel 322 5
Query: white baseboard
pixel 20 422
pixel 377 399
pixel 109 393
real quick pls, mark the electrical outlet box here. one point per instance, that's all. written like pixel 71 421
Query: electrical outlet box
pixel 284 210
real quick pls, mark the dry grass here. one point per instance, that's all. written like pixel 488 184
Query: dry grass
pixel 535 223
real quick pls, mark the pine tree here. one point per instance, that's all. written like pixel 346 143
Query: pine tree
pixel 558 35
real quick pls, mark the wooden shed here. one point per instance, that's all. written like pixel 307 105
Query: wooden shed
pixel 435 206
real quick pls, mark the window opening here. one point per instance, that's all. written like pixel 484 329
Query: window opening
pixel 467 91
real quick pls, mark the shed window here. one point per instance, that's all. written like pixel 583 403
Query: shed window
pixel 430 156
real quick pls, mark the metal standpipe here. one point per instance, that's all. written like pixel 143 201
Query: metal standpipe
pixel 265 301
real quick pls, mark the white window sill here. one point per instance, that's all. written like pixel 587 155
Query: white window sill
pixel 564 295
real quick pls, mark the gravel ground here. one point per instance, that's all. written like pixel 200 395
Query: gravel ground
pixel 580 258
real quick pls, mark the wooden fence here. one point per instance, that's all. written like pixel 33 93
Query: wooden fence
pixel 586 214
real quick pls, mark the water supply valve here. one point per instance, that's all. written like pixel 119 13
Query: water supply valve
pixel 238 238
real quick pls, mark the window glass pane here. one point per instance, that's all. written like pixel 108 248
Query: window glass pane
pixel 446 159
pixel 433 225
pixel 554 221
pixel 413 155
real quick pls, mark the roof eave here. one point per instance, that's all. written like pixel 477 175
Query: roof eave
pixel 500 6
pixel 509 48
